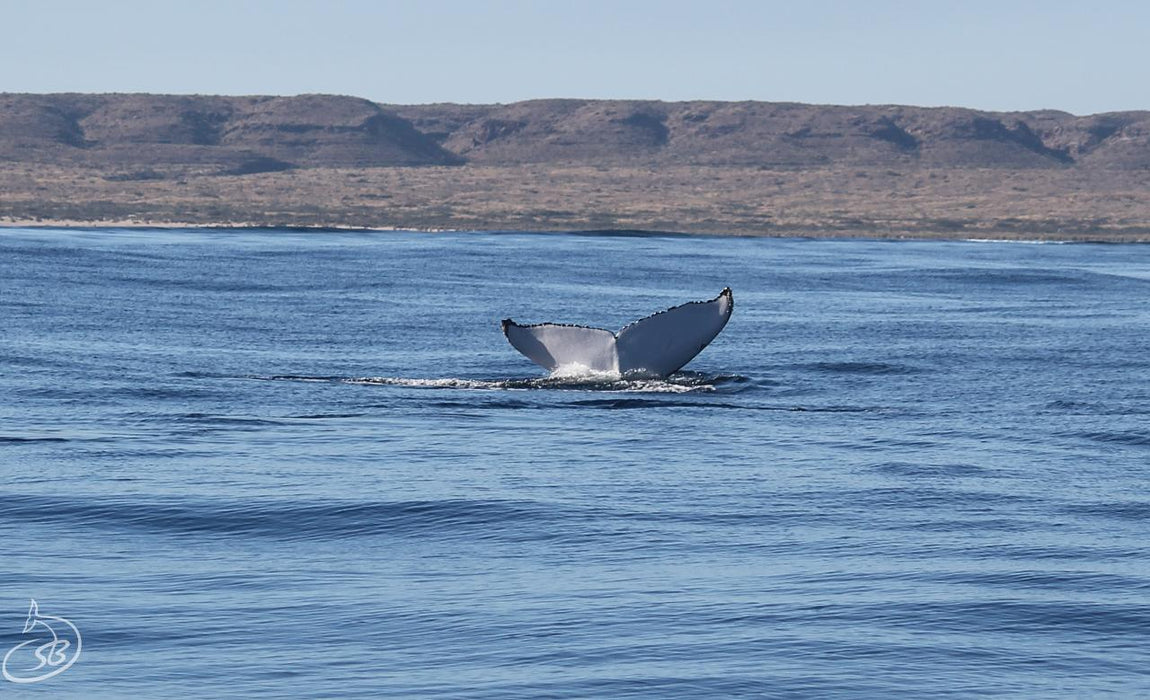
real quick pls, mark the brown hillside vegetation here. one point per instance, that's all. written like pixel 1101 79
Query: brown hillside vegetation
pixel 720 167
pixel 780 135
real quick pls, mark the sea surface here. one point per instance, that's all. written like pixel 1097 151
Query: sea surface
pixel 272 464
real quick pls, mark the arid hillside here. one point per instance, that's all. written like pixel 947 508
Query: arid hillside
pixel 781 135
pixel 232 134
pixel 718 167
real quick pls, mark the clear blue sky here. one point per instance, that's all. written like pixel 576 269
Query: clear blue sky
pixel 1079 56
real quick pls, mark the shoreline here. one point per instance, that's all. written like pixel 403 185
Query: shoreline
pixel 911 203
pixel 977 235
pixel 166 225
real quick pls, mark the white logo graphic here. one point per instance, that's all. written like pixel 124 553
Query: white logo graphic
pixel 53 651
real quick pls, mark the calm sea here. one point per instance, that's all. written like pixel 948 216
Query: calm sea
pixel 282 464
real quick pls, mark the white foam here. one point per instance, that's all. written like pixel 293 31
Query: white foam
pixel 444 383
pixel 596 381
pixel 579 371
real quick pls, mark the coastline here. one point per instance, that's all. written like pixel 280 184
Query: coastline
pixel 831 202
pixel 144 224
pixel 977 236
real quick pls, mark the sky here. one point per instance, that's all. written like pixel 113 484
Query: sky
pixel 1006 55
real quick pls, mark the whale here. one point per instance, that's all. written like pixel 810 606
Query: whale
pixel 655 346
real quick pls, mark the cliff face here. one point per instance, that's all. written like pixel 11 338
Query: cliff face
pixel 237 135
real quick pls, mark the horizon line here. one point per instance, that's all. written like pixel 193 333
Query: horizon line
pixel 574 99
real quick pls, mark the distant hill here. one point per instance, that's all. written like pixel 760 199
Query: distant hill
pixel 780 134
pixel 254 134
pixel 231 134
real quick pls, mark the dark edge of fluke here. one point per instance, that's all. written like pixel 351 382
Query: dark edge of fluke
pixel 506 323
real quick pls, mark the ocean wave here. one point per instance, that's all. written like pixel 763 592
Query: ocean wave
pixel 859 368
pixel 1136 438
pixel 294 519
pixel 679 383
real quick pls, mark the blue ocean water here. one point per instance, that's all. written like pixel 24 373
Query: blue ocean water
pixel 286 464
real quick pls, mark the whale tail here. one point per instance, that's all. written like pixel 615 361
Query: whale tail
pixel 657 345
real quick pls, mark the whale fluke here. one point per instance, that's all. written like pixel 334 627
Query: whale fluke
pixel 657 345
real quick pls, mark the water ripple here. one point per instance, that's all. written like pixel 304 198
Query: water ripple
pixel 298 520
